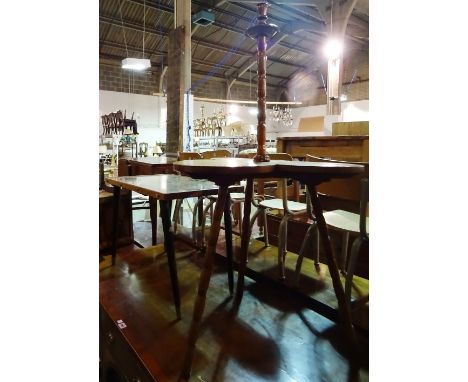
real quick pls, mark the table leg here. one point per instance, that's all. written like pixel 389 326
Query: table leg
pixel 228 236
pixel 343 307
pixel 115 218
pixel 165 207
pixel 204 282
pixel 244 241
pixel 153 205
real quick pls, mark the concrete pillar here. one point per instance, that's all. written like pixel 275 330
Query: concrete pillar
pixel 179 78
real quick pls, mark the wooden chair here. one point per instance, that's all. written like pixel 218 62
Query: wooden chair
pixel 216 154
pixel 213 198
pixel 289 209
pixel 143 149
pixel 177 217
pixel 188 155
pixel 361 244
pixel 341 198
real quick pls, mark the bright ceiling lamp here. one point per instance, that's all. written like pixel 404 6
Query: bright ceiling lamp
pixel 130 63
pixel 333 49
pixel 137 64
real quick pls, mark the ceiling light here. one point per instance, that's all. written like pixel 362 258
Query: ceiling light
pixel 137 64
pixel 333 49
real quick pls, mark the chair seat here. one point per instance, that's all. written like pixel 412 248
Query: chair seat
pixel 277 204
pixel 237 196
pixel 344 220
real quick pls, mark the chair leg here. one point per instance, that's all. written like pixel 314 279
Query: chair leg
pixel 265 229
pixel 205 212
pixel 344 251
pixel 249 233
pixel 240 218
pixel 311 232
pixel 196 210
pixel 175 217
pixel 181 212
pixel 317 248
pixel 253 218
pixel 282 238
pixel 353 256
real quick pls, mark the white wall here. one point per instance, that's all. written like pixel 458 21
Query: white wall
pixel 355 111
pixel 350 111
pixel 150 112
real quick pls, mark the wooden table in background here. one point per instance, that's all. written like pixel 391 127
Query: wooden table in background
pixel 353 148
pixel 146 166
pixel 225 172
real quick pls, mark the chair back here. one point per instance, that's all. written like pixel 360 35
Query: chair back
pixel 143 149
pixel 280 156
pixel 187 155
pixel 216 154
pixel 246 155
pixel 281 184
pixel 344 194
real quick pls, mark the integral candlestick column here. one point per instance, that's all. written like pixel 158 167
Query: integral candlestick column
pixel 261 31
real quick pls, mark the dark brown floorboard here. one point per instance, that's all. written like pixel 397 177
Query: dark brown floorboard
pixel 274 336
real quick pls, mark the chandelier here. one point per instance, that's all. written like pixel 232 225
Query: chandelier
pixel 282 115
pixel 210 126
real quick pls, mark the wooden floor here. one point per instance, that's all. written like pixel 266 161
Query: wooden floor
pixel 274 337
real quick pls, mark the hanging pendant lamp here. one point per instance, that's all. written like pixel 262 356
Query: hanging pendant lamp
pixel 132 63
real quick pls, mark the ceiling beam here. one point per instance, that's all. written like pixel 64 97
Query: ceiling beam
pixel 218 77
pixel 288 10
pixel 207 44
pixel 321 5
pixel 314 24
pixel 135 49
pixel 289 28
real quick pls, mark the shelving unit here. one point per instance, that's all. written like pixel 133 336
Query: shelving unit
pixel 230 143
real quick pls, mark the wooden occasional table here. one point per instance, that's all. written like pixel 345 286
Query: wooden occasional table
pixel 166 188
pixel 151 165
pixel 147 166
pixel 225 172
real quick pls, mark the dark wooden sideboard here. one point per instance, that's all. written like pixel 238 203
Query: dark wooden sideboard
pixel 125 232
pixel 145 166
pixel 342 147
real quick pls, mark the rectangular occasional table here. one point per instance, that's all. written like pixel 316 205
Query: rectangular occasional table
pixel 227 171
pixel 151 165
pixel 166 188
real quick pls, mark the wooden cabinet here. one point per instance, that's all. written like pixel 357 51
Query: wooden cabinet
pixel 350 128
pixel 125 226
pixel 349 148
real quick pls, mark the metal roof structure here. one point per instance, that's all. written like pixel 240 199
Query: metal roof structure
pixel 221 49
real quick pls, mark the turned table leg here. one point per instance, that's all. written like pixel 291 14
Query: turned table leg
pixel 204 282
pixel 165 207
pixel 343 307
pixel 154 220
pixel 115 219
pixel 228 237
pixel 244 241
